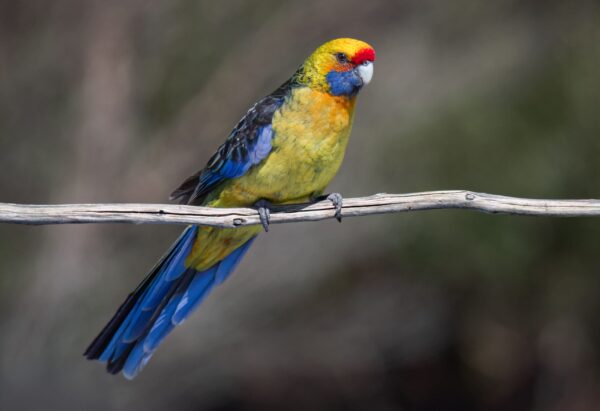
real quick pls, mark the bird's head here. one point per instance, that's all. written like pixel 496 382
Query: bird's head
pixel 339 67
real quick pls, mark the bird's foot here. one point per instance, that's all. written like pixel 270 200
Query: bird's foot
pixel 264 213
pixel 337 200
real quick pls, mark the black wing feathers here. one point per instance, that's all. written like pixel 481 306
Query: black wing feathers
pixel 242 149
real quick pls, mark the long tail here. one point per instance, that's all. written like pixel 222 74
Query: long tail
pixel 168 294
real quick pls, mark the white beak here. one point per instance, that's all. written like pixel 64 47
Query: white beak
pixel 365 71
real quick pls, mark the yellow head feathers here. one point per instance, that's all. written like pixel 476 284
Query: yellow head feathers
pixel 339 67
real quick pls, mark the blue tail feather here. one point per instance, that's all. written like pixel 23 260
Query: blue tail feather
pixel 198 289
pixel 228 265
pixel 137 325
pixel 174 268
pixel 161 327
pixel 166 297
pixel 133 364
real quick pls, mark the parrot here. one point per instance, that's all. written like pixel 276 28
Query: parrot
pixel 286 149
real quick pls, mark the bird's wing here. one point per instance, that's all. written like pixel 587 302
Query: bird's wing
pixel 248 144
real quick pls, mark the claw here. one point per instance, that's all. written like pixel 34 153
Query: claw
pixel 337 201
pixel 264 213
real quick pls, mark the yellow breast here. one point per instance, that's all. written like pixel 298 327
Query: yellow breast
pixel 311 133
pixel 310 136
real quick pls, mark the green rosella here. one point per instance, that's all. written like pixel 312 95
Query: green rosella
pixel 286 149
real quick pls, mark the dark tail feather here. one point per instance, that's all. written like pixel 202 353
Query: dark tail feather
pixel 163 300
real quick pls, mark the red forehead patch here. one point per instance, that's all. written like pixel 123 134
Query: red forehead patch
pixel 363 55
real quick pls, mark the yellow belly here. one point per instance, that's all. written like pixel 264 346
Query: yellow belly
pixel 310 137
pixel 214 244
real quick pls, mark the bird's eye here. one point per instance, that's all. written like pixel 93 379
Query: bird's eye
pixel 341 57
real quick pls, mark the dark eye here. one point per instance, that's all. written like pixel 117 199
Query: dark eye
pixel 341 57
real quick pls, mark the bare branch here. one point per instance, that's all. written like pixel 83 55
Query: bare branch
pixel 237 217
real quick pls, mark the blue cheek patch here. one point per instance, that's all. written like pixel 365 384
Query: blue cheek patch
pixel 344 83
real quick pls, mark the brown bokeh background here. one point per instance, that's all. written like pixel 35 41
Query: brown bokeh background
pixel 119 101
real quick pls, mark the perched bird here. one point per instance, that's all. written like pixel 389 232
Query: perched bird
pixel 286 149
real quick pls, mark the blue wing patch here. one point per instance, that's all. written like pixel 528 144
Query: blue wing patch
pixel 235 161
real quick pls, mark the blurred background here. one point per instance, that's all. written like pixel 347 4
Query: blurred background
pixel 119 101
